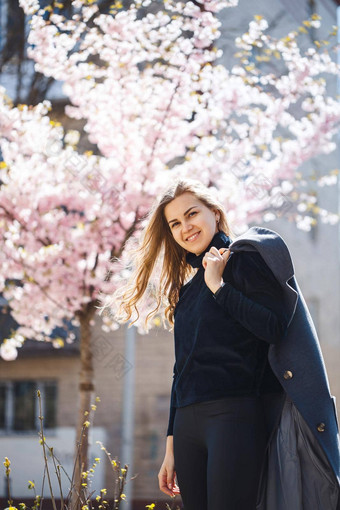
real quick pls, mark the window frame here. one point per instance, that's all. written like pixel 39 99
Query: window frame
pixel 40 385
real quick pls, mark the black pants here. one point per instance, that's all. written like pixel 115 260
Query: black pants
pixel 219 447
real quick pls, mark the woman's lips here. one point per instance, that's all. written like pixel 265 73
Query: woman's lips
pixel 193 237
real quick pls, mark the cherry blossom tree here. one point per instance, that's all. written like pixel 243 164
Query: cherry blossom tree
pixel 156 104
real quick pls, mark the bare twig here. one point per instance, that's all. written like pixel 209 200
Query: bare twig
pixel 44 451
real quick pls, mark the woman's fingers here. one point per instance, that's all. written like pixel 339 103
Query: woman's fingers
pixel 206 258
pixel 225 252
pixel 215 254
pixel 222 251
pixel 164 482
pixel 213 249
pixel 175 488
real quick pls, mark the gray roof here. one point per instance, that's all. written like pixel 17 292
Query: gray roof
pixel 299 9
pixel 34 348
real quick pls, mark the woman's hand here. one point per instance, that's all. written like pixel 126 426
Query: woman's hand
pixel 214 262
pixel 166 476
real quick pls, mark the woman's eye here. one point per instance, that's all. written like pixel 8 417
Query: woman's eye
pixel 176 223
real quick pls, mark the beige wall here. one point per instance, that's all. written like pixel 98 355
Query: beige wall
pixel 154 359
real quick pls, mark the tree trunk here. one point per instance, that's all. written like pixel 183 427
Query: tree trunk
pixel 86 390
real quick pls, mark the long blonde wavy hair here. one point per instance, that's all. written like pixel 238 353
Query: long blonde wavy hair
pixel 157 240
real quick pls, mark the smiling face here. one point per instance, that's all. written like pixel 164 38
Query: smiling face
pixel 191 223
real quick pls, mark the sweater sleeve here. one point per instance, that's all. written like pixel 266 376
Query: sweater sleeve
pixel 254 297
pixel 172 407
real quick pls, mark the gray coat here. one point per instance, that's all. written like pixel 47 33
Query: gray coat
pixel 302 469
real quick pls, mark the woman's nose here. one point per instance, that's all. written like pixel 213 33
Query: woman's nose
pixel 186 225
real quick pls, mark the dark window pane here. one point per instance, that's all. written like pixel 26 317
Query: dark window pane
pixel 2 406
pixel 24 405
pixel 50 405
pixel 15 40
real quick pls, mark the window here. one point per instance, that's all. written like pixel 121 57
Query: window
pixel 23 397
pixel 19 406
pixel 2 406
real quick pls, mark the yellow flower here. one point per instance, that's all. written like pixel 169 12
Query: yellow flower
pixel 104 491
pixel 151 507
pixel 37 500
pixel 31 485
pixel 157 321
pixel 123 470
pixel 7 463
pixel 86 423
pixel 123 496
pixel 58 342
pixel 97 459
pixel 97 399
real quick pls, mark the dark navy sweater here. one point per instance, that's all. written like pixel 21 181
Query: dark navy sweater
pixel 222 341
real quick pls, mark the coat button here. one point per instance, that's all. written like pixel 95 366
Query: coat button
pixel 288 374
pixel 321 427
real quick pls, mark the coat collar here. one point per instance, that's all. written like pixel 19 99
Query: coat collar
pixel 271 247
pixel 276 255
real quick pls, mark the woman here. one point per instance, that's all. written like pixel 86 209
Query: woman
pixel 228 310
pixel 219 435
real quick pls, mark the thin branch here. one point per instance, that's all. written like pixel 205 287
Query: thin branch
pixel 44 452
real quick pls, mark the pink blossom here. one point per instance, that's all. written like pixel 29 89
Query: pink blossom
pixel 156 106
